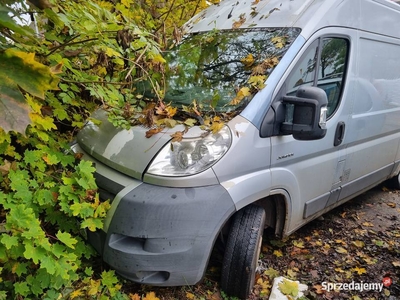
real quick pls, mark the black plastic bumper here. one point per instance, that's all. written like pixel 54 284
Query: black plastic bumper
pixel 164 236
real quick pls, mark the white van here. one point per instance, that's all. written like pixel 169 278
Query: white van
pixel 325 128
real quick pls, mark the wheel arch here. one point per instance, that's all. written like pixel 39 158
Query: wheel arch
pixel 277 208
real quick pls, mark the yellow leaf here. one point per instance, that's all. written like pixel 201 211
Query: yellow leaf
pixel 126 3
pixel 101 71
pixel 289 288
pixel 279 42
pixel 278 253
pixel 243 92
pixel 291 273
pixel 151 296
pixel 189 295
pixel 134 297
pixel 339 270
pixel 47 123
pixel 216 126
pixel 76 294
pixel 358 244
pixel 359 271
pixel 257 81
pixel 341 250
pixel 298 244
pixel 248 60
pixel 110 52
pixel 171 111
pixel 368 224
pixel 93 287
pixel 386 292
pixel 158 58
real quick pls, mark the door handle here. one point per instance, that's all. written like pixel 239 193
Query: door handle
pixel 339 134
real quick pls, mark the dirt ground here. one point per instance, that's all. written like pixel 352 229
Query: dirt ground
pixel 357 243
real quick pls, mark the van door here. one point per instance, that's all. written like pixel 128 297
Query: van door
pixel 312 171
pixel 374 126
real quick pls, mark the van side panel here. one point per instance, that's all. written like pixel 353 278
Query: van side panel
pixel 373 132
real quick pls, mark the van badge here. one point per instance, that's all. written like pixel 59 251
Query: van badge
pixel 285 156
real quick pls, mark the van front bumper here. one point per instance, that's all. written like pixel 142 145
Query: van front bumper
pixel 164 236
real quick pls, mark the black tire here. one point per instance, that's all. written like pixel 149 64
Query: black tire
pixel 242 252
pixel 394 183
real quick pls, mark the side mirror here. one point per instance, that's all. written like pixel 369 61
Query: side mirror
pixel 309 108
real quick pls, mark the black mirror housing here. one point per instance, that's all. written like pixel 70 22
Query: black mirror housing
pixel 308 121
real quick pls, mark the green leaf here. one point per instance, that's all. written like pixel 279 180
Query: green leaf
pixel 29 75
pixel 9 241
pixel 108 278
pixel 21 269
pixel 34 253
pixel 92 224
pixel 21 217
pixel 21 288
pixel 48 263
pixel 67 239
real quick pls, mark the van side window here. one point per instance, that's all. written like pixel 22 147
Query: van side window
pixel 331 66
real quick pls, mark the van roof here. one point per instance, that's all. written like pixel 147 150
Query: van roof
pixel 378 16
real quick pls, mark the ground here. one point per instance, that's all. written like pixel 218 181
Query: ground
pixel 357 242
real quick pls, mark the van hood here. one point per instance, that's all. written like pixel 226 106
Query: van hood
pixel 127 151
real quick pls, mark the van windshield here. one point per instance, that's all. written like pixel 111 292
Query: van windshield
pixel 210 68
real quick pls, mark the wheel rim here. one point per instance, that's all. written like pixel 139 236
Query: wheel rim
pixel 255 262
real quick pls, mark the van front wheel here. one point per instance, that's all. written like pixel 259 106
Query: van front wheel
pixel 395 182
pixel 242 252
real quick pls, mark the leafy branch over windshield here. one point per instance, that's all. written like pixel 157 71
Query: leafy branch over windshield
pixel 210 77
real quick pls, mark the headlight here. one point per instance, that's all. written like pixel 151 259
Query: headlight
pixel 191 155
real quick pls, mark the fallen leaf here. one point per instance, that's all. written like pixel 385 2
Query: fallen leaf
pixel 368 224
pixel 358 244
pixel 314 273
pixel 291 273
pixel 177 136
pixel 151 132
pixel 248 61
pixel 5 168
pixel 396 263
pixel 298 244
pixel 216 126
pixel 289 288
pixel 271 273
pixel 134 297
pixel 341 250
pixel 243 92
pixel 278 253
pixel 318 289
pixel 359 271
pixel 151 296
pixel 240 22
pixel 391 204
